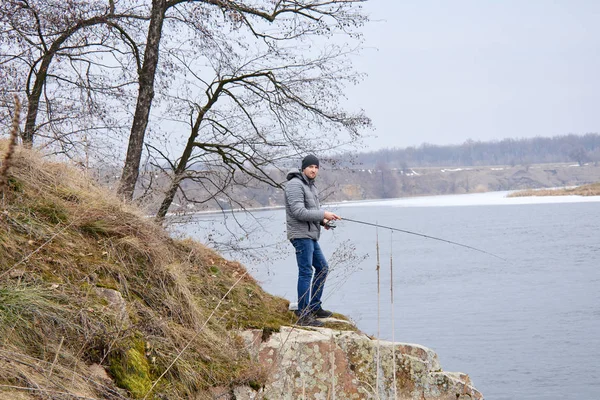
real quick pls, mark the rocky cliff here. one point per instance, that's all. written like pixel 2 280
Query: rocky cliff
pixel 325 364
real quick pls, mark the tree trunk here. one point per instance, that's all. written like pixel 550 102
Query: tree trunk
pixel 187 152
pixel 144 101
pixel 33 100
pixel 169 196
pixel 180 170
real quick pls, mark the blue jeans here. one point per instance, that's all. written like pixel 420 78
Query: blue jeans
pixel 310 290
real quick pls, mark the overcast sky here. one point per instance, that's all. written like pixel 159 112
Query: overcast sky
pixel 445 71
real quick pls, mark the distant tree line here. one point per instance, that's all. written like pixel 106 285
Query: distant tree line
pixel 566 148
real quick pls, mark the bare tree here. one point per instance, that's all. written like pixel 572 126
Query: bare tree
pixel 62 55
pixel 76 62
pixel 274 22
pixel 388 183
pixel 580 155
pixel 144 99
pixel 264 106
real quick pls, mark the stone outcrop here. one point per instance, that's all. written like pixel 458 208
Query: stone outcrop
pixel 322 364
pixel 115 305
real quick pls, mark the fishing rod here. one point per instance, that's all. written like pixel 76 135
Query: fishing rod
pixel 423 235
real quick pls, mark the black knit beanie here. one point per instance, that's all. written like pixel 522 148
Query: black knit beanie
pixel 309 160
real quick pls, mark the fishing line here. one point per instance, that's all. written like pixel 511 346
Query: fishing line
pixel 423 235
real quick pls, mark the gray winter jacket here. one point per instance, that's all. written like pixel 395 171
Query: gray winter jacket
pixel 302 208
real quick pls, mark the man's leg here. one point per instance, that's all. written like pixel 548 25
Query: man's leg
pixel 304 258
pixel 321 271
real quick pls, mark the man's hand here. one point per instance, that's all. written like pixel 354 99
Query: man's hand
pixel 331 216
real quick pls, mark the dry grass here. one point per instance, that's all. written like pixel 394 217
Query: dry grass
pixel 584 190
pixel 62 238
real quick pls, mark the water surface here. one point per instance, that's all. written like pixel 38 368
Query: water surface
pixel 526 328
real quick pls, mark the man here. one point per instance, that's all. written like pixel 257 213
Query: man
pixel 304 219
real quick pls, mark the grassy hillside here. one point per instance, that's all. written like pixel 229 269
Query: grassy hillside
pixel 91 290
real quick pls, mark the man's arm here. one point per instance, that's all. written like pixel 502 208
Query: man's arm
pixel 295 197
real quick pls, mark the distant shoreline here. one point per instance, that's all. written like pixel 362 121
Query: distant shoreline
pixel 583 190
pixel 440 200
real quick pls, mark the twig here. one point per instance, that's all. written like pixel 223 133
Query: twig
pixel 332 362
pixel 303 387
pixel 46 391
pixel 393 323
pixel 11 146
pixel 378 311
pixel 372 393
pixel 62 339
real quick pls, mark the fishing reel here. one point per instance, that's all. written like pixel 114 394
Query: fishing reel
pixel 329 225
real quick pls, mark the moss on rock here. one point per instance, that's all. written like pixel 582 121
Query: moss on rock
pixel 130 368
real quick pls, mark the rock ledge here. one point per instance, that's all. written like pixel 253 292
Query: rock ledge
pixel 323 363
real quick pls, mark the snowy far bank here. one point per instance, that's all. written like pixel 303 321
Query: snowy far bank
pixel 471 199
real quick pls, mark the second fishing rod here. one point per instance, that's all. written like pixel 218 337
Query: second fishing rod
pixel 421 235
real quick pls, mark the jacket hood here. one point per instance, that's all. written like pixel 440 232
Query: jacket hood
pixel 296 173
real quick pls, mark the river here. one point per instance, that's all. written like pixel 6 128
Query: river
pixel 527 327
